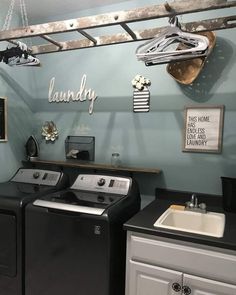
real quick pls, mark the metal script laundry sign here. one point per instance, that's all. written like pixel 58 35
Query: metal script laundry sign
pixel 81 95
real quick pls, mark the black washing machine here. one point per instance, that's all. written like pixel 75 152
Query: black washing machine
pixel 25 185
pixel 75 243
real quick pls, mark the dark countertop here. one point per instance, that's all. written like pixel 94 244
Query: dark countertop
pixel 143 222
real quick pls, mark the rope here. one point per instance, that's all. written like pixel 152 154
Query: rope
pixel 24 16
pixel 9 16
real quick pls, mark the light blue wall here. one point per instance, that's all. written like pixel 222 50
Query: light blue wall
pixel 153 139
pixel 15 85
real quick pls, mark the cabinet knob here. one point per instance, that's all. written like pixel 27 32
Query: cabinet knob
pixel 176 287
pixel 186 290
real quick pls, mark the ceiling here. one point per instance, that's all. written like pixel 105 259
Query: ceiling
pixel 46 8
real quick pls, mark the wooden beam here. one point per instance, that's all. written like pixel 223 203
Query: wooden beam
pixel 201 26
pixel 49 39
pixel 129 31
pixel 227 22
pixel 115 18
pixel 86 35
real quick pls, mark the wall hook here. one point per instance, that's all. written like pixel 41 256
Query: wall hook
pixel 168 7
pixel 172 18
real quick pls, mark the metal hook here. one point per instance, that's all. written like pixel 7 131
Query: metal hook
pixel 173 20
pixel 168 7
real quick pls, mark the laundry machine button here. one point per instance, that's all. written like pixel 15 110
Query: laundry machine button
pixel 36 175
pixel 101 182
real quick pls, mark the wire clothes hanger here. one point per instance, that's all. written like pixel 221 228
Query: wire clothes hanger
pixel 171 45
pixel 19 55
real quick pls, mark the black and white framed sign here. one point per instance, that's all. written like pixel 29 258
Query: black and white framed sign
pixel 3 119
pixel 203 129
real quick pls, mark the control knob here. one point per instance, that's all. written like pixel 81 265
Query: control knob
pixel 101 182
pixel 101 199
pixel 36 175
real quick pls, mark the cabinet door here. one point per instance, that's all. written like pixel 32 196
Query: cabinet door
pixel 201 286
pixel 144 279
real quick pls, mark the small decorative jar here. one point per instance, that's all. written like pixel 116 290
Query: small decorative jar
pixel 115 160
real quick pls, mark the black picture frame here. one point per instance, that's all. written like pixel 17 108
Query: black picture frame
pixel 3 119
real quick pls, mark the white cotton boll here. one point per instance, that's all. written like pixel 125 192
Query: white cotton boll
pixel 139 86
pixel 148 82
pixel 142 80
pixel 137 77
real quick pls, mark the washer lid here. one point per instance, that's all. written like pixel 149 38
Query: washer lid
pixel 68 207
pixel 79 201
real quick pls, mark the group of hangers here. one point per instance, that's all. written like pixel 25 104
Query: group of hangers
pixel 171 45
pixel 18 54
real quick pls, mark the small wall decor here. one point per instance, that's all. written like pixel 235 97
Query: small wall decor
pixel 203 129
pixel 49 131
pixel 3 119
pixel 141 94
pixel 80 95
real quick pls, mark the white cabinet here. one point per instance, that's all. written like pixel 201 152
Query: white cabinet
pixel 160 267
pixel 201 286
pixel 147 279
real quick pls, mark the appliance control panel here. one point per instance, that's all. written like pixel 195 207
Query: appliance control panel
pixel 37 176
pixel 102 183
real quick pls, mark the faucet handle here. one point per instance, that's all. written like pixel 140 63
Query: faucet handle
pixel 188 204
pixel 202 206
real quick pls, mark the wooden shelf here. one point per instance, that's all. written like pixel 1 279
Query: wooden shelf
pixel 94 166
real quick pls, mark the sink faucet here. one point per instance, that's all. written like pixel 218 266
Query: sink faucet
pixel 193 205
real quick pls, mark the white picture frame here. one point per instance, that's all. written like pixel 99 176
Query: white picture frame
pixel 203 129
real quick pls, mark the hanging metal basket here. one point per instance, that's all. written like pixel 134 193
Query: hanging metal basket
pixel 185 72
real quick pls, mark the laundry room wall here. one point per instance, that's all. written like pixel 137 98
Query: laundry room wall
pixel 151 139
pixel 15 85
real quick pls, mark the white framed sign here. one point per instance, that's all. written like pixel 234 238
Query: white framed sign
pixel 203 129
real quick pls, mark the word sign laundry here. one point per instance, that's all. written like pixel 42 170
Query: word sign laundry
pixel 81 95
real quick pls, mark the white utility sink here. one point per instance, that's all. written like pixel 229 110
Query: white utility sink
pixel 210 223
